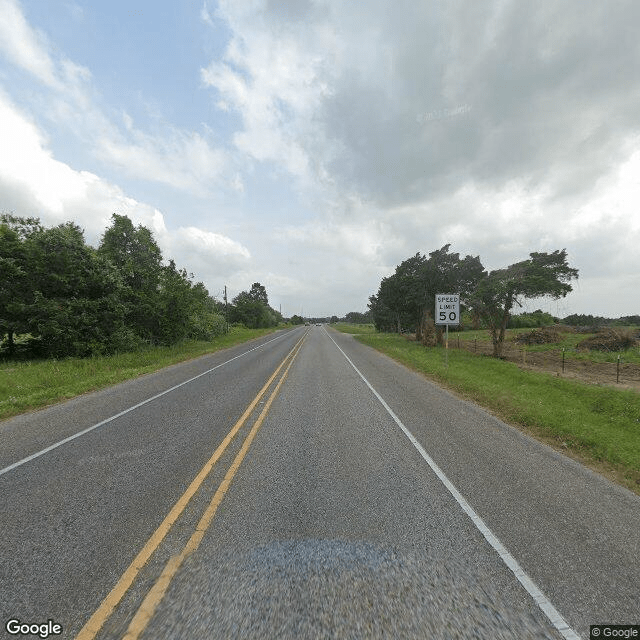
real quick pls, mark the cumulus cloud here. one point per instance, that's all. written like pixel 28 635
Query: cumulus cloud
pixel 34 183
pixel 212 256
pixel 401 102
pixel 500 127
pixel 181 159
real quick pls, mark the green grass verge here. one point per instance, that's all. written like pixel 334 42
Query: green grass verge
pixel 355 329
pixel 599 425
pixel 33 384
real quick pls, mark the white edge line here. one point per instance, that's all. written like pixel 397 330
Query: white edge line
pixel 540 599
pixel 33 456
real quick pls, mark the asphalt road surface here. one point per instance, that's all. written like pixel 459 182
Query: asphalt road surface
pixel 302 486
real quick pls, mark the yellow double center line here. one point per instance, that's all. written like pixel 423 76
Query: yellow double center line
pixel 155 595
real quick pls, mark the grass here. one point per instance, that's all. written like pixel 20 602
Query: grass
pixel 355 329
pixel 25 386
pixel 598 425
pixel 568 340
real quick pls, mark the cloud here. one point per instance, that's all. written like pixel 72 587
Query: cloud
pixel 29 166
pixel 34 183
pixel 401 104
pixel 25 46
pixel 212 255
pixel 501 127
pixel 184 160
pixel 275 80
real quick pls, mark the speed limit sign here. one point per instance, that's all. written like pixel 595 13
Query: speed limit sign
pixel 447 308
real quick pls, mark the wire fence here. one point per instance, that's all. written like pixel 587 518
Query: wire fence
pixel 560 362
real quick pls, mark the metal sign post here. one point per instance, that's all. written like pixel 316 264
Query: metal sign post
pixel 447 312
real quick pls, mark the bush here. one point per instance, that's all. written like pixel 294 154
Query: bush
pixel 536 319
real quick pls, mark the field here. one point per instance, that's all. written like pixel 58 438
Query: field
pixel 593 367
pixel 582 413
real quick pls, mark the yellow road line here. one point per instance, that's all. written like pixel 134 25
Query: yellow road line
pixel 107 606
pixel 154 597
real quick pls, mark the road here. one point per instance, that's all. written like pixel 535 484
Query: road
pixel 303 485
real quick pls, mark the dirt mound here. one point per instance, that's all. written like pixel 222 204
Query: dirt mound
pixel 545 335
pixel 609 340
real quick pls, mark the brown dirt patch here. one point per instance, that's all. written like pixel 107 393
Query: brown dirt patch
pixel 609 340
pixel 545 335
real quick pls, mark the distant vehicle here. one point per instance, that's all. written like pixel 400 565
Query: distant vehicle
pixel 306 324
pixel 318 324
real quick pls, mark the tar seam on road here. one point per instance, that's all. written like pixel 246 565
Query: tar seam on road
pixel 153 598
pixel 108 605
pixel 13 466
pixel 540 599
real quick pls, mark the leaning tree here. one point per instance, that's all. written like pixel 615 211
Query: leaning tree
pixel 543 274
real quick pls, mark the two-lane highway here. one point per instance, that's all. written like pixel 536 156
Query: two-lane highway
pixel 355 500
pixel 73 518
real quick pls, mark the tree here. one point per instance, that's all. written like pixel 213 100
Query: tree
pixel 138 258
pixel 206 317
pixel 543 274
pixel 387 308
pixel 16 290
pixel 259 294
pixel 252 309
pixel 445 272
pixel 75 297
pixel 406 298
pixel 356 317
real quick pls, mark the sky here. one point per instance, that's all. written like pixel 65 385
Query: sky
pixel 312 146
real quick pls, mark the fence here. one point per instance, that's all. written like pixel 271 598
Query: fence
pixel 557 361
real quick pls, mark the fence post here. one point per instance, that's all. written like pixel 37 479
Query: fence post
pixel 618 370
pixel 562 359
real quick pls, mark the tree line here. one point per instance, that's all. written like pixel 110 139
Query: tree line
pixel 405 299
pixel 61 297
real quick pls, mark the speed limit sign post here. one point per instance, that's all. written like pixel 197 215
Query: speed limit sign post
pixel 447 312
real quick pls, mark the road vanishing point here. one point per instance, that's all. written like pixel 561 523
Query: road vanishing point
pixel 302 485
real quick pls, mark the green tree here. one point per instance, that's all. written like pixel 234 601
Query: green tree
pixel 174 302
pixel 75 306
pixel 251 308
pixel 543 274
pixel 138 258
pixel 16 288
pixel 356 317
pixel 206 319
pixel 387 306
pixel 259 294
pixel 445 272
pixel 406 298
